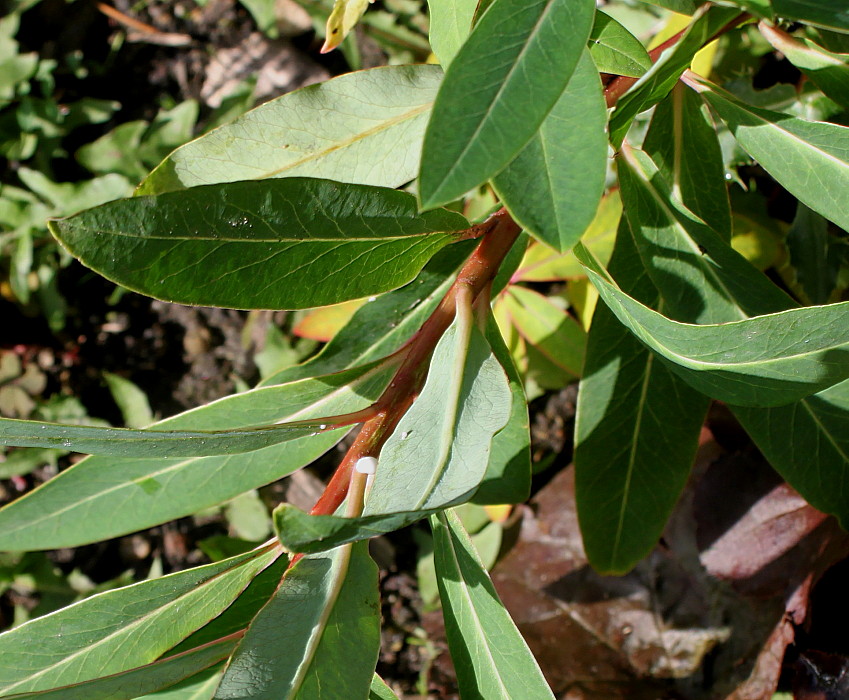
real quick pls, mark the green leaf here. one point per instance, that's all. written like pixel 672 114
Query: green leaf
pixel 103 497
pixel 554 185
pixel 682 142
pixel 236 618
pixel 131 400
pixel 436 457
pixel 121 629
pixel 364 127
pixel 380 691
pixel 763 361
pixel 702 279
pixel 439 452
pixel 290 243
pixel 822 13
pixel 126 442
pixel 543 264
pixel 828 71
pixel 147 679
pixel 812 255
pixel 548 328
pixel 199 687
pixel 810 159
pixel 488 108
pixel 684 7
pixel 383 325
pixel 343 18
pixel 636 431
pixel 663 75
pixel 615 50
pixel 450 25
pixel 815 423
pixel 319 636
pixel 491 658
pixel 508 474
pixel 808 444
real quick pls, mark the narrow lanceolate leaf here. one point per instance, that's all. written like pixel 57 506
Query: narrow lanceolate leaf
pixel 380 691
pixel 508 474
pixel 492 100
pixel 682 142
pixel 808 444
pixel 816 424
pixel 554 185
pixel 124 442
pixel 128 685
pixel 828 71
pixel 663 75
pixel 103 497
pixel 615 50
pixel 450 25
pixel 277 244
pixel 822 13
pixel 810 159
pixel 364 127
pixel 318 637
pixel 343 18
pixel 636 431
pixel 437 455
pixel 121 629
pixel 701 278
pixel 490 656
pixel 547 327
pixel 763 361
pixel 385 323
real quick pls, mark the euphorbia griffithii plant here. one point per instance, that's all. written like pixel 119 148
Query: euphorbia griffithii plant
pixel 295 205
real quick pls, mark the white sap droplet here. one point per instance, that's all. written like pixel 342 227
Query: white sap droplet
pixel 372 298
pixel 322 426
pixel 406 434
pixel 366 465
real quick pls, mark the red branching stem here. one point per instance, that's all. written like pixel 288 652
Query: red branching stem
pixel 476 274
pixel 620 85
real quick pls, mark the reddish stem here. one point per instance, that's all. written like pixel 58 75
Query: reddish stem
pixel 621 84
pixel 476 274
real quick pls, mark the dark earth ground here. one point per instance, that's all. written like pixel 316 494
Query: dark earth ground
pixel 184 357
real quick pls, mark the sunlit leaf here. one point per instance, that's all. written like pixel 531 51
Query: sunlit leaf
pixel 450 25
pixel 810 159
pixel 554 185
pixel 490 656
pixel 763 361
pixel 126 442
pixel 436 457
pixel 548 328
pixel 663 75
pixel 121 629
pixel 128 684
pixel 828 71
pixel 615 50
pixel 364 127
pixel 487 108
pixel 343 18
pixel 319 636
pixel 636 431
pixel 279 244
pixel 102 497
